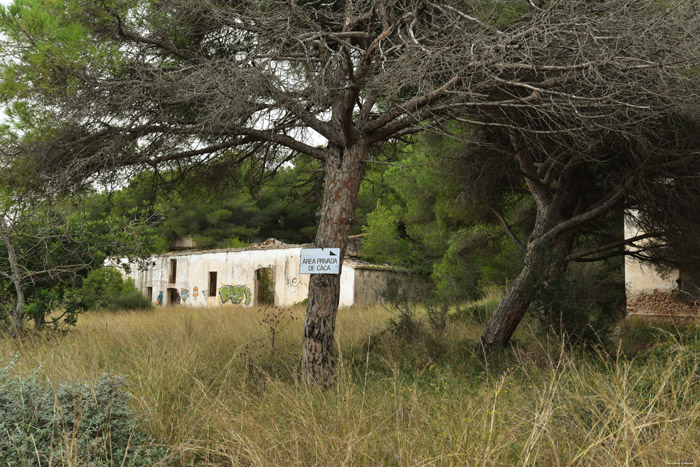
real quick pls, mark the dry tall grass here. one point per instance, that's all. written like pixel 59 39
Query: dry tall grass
pixel 208 383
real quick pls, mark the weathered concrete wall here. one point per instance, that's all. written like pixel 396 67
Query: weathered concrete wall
pixel 235 277
pixel 347 284
pixel 376 285
pixel 644 279
pixel 665 304
pixel 371 286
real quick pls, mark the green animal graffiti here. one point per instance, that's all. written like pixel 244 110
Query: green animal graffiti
pixel 237 294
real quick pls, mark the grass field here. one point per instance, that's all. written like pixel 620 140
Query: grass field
pixel 220 387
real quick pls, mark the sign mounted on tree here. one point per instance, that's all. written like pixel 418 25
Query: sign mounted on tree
pixel 320 261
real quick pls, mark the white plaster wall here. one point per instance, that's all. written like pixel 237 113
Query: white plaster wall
pixel 233 267
pixel 642 278
pixel 236 268
pixel 347 285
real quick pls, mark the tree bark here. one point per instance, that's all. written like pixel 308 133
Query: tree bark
pixel 20 304
pixel 512 309
pixel 18 315
pixel 343 175
pixel 39 323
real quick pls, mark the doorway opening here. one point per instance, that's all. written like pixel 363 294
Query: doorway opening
pixel 265 286
pixel 173 297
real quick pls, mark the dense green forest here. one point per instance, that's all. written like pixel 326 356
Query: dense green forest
pixel 227 213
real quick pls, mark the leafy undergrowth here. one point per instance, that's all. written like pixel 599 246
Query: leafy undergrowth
pixel 211 384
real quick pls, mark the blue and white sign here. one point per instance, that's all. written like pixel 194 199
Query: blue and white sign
pixel 320 261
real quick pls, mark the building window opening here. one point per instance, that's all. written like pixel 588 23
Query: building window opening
pixel 149 293
pixel 212 283
pixel 265 286
pixel 172 271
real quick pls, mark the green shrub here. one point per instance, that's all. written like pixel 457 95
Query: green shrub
pixel 105 288
pixel 404 324
pixel 586 302
pixel 45 300
pixel 133 300
pixel 383 242
pixel 74 424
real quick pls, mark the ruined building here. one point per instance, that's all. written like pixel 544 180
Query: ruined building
pixel 265 274
pixel 669 293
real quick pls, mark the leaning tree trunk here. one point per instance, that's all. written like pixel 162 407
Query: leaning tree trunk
pixel 343 175
pixel 539 258
pixel 543 267
pixel 512 309
pixel 542 260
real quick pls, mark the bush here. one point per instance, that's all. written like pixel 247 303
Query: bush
pixel 473 262
pixel 105 288
pixel 401 301
pixel 74 424
pixel 404 324
pixel 383 242
pixel 437 314
pixel 586 303
pixel 133 300
pixel 45 300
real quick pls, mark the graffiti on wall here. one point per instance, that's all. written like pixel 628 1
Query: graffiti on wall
pixel 159 300
pixel 236 294
pixel 184 293
pixel 195 292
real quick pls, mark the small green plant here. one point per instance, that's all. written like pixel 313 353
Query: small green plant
pixel 404 324
pixel 401 300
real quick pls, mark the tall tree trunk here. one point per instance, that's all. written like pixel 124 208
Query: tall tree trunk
pixel 343 175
